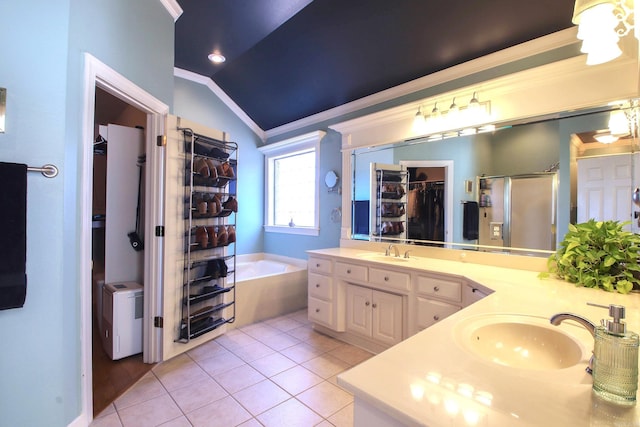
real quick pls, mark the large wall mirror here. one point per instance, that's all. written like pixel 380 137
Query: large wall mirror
pixel 526 182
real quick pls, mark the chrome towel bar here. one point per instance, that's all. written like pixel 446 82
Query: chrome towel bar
pixel 49 171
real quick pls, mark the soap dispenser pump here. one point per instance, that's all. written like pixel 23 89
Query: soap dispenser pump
pixel 615 369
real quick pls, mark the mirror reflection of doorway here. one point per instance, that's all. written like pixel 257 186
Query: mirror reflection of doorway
pixel 426 204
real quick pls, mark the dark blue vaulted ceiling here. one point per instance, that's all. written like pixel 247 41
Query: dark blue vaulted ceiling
pixel 289 59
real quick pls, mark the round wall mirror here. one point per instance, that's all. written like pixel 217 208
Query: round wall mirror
pixel 331 179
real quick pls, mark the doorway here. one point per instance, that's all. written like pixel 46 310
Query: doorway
pixel 98 76
pixel 430 200
pixel 113 205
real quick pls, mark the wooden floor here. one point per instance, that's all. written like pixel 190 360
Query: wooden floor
pixel 111 378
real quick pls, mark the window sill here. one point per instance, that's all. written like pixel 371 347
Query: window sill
pixel 305 231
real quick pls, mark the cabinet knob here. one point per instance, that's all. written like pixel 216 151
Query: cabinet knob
pixel 317 310
pixel 436 317
pixel 386 278
pixel 374 305
pixel 436 288
pixel 367 303
pixel 317 265
pixel 349 271
pixel 317 285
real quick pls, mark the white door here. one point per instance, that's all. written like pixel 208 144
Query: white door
pixel 359 310
pixel 386 317
pixel 124 145
pixel 605 188
pixel 174 237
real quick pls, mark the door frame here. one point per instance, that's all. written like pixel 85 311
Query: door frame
pixel 96 73
pixel 448 190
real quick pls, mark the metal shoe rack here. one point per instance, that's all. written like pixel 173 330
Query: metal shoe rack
pixel 209 291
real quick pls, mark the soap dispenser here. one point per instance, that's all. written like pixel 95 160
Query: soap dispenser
pixel 615 369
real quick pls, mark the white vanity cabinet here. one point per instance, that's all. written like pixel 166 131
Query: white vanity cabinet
pixel 437 297
pixel 374 314
pixel 325 306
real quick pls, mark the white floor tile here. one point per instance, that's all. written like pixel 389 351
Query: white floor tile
pixel 223 413
pixel 290 413
pixel 261 397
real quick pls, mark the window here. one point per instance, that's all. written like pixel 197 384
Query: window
pixel 291 185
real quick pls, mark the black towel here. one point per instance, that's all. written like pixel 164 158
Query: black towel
pixel 13 235
pixel 470 220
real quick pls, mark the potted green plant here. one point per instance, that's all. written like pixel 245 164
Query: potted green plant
pixel 598 254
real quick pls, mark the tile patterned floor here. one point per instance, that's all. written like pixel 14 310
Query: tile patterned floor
pixel 278 373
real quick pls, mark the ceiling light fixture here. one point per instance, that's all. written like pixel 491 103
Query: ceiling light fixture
pixel 456 121
pixel 601 23
pixel 217 58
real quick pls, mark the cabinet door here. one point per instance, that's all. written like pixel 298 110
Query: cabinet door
pixel 386 317
pixel 359 310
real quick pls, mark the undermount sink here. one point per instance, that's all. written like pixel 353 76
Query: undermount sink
pixel 374 256
pixel 519 341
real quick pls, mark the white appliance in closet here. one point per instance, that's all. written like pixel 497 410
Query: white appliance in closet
pixel 122 311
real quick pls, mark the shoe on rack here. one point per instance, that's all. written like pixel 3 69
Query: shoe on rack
pixel 223 237
pixel 201 168
pixel 213 236
pixel 202 237
pixel 231 203
pixel 231 232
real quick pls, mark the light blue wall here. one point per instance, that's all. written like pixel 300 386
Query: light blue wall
pixel 197 103
pixel 41 67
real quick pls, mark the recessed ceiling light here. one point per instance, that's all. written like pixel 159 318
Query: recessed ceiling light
pixel 217 58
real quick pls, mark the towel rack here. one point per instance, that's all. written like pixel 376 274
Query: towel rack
pixel 48 170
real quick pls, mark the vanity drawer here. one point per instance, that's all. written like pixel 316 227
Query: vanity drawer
pixel 390 279
pixel 446 289
pixel 319 265
pixel 351 271
pixel 320 286
pixel 430 312
pixel 320 311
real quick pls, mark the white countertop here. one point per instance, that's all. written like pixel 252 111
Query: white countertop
pixel 430 379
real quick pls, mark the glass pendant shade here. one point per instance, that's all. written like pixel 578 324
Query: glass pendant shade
pixel 618 124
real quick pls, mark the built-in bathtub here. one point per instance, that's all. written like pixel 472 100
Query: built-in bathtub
pixel 268 286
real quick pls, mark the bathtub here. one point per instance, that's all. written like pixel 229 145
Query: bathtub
pixel 268 286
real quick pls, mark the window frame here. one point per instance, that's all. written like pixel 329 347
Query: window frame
pixel 292 146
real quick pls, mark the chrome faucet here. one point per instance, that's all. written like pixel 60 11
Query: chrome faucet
pixel 395 250
pixel 556 319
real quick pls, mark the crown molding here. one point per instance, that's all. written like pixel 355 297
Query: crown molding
pixel 217 91
pixel 531 48
pixel 173 8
